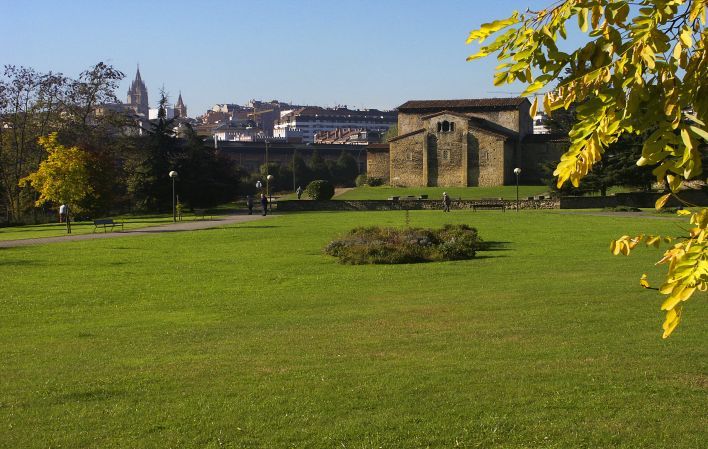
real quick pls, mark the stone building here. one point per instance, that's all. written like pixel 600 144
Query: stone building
pixel 138 96
pixel 310 120
pixel 180 108
pixel 475 142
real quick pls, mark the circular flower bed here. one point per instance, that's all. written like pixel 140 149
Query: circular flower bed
pixel 376 245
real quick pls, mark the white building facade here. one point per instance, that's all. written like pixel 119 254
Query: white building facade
pixel 308 121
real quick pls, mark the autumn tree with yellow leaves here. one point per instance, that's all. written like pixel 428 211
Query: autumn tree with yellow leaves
pixel 642 70
pixel 62 178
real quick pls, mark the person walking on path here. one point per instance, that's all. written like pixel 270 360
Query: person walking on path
pixel 249 204
pixel 264 204
pixel 446 202
pixel 299 192
pixel 62 213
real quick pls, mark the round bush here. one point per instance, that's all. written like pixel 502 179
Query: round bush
pixel 376 245
pixel 360 180
pixel 374 182
pixel 320 190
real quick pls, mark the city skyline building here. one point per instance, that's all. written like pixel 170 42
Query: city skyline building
pixel 138 95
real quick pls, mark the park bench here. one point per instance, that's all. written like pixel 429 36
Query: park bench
pixel 202 214
pixel 105 223
pixel 490 203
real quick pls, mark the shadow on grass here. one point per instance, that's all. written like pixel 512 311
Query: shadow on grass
pixel 495 246
pixel 18 262
pixel 90 395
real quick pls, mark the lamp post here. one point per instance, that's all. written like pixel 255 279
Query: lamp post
pixel 517 172
pixel 173 175
pixel 269 178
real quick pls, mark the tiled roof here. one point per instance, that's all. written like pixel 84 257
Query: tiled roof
pixel 403 136
pixel 491 126
pixel 472 103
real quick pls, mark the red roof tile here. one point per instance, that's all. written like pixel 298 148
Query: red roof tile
pixel 472 103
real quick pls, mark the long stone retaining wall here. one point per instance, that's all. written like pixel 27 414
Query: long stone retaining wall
pixel 372 205
pixel 635 199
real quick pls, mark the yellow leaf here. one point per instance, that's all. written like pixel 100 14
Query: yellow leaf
pixel 686 38
pixel 533 87
pixel 672 319
pixel 686 139
pixel 534 106
pixel 583 20
pixel 643 281
pixel 662 201
pixel 683 212
pixel 614 248
pixel 624 248
pixel 699 132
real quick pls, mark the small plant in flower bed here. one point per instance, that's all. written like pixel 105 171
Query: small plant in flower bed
pixel 377 245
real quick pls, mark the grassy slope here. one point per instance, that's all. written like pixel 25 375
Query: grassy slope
pixel 381 193
pixel 246 336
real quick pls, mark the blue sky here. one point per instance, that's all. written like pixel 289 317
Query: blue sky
pixel 359 53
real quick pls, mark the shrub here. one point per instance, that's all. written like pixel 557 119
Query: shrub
pixel 377 245
pixel 360 180
pixel 374 182
pixel 622 209
pixel 320 190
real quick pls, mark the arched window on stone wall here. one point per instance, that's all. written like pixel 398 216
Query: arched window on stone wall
pixel 445 126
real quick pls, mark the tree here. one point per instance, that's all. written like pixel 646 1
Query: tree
pixel 345 170
pixel 390 133
pixel 642 70
pixel 147 181
pixel 206 178
pixel 301 171
pixel 30 107
pixel 62 178
pixel 318 166
pixel 94 122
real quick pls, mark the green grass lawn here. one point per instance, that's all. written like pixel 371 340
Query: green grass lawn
pixel 467 193
pixel 246 336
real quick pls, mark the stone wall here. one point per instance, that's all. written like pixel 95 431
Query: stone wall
pixel 447 152
pixel 383 205
pixel 537 152
pixel 378 164
pixel 633 199
pixel 409 161
pixel 407 122
pixel 487 155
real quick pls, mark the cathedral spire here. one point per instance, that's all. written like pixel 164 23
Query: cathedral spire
pixel 180 108
pixel 138 95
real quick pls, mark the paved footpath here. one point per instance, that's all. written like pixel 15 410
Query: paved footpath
pixel 172 227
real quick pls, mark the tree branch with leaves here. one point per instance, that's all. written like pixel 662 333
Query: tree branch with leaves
pixel 642 71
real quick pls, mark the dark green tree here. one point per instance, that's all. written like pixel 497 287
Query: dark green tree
pixel 318 167
pixel 302 173
pixel 206 178
pixel 345 170
pixel 149 184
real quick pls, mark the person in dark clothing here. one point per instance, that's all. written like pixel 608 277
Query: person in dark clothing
pixel 264 204
pixel 249 204
pixel 299 192
pixel 446 202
